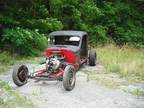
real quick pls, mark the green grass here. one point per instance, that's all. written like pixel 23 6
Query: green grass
pixel 15 101
pixel 137 93
pixel 125 61
pixel 110 80
pixel 122 67
pixel 7 60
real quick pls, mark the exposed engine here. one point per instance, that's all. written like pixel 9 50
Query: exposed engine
pixel 53 63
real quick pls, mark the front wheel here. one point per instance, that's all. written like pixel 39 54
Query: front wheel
pixel 20 75
pixel 69 78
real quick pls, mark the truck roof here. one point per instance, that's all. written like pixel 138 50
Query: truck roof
pixel 68 33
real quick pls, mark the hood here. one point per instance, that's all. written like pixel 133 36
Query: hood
pixel 74 49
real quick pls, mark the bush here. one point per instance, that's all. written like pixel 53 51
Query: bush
pixel 43 25
pixel 98 34
pixel 104 20
pixel 6 59
pixel 8 21
pixel 24 41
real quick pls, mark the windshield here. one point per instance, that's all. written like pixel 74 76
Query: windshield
pixel 64 40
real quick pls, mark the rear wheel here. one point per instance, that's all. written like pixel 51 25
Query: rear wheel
pixel 20 75
pixel 92 58
pixel 69 78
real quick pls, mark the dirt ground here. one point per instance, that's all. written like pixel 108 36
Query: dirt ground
pixel 86 94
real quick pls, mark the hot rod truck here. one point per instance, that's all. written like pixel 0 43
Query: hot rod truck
pixel 66 52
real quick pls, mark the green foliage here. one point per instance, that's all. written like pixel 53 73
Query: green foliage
pixel 98 34
pixel 90 12
pixel 106 21
pixel 125 61
pixel 5 58
pixel 13 98
pixel 124 22
pixel 43 25
pixel 8 21
pixel 24 41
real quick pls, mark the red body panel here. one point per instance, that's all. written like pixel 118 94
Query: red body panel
pixel 69 55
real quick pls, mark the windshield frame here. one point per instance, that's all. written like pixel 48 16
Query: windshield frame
pixel 52 40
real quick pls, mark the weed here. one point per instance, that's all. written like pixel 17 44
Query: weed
pixel 125 61
pixel 16 100
pixel 105 79
pixel 7 60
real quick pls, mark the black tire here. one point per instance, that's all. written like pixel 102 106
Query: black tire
pixel 20 75
pixel 92 58
pixel 69 78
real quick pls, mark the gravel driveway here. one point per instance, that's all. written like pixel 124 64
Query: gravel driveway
pixel 86 94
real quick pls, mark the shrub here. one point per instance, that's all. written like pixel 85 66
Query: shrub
pixel 24 41
pixel 43 25
pixel 8 21
pixel 5 58
pixel 97 34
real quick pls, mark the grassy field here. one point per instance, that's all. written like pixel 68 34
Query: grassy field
pixel 16 100
pixel 122 67
pixel 12 99
pixel 125 61
pixel 7 60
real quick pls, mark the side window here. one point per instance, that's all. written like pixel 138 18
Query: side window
pixel 84 46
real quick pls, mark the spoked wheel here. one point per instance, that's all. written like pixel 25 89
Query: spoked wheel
pixel 20 75
pixel 69 78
